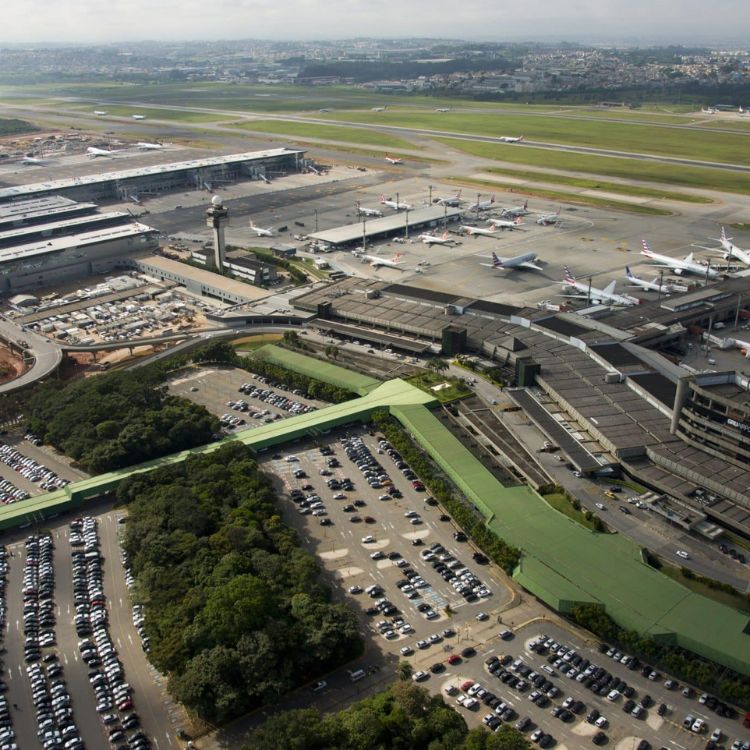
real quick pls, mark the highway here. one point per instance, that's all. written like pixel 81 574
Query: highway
pixel 47 356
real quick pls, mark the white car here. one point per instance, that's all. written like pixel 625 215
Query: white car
pixel 613 695
pixel 420 675
pixel 368 539
pixel 407 650
pixel 681 553
pixel 601 722
pixel 483 616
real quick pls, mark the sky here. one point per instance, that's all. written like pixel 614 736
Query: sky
pixel 638 21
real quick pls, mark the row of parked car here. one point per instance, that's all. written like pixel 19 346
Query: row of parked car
pixel 114 702
pixel 35 472
pixel 7 734
pixel 139 616
pixel 463 580
pixel 56 726
pixel 269 396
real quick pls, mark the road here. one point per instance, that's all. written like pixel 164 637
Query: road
pixel 47 356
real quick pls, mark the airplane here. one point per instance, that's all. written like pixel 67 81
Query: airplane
pixel 395 204
pixel 511 139
pixel 597 296
pixel 92 152
pixel 379 109
pixel 651 286
pixel 149 146
pixel 362 211
pixel 709 111
pixel 138 117
pixel 34 161
pixel 394 159
pixel 686 265
pixel 100 112
pixel 473 231
pixel 482 205
pixel 743 346
pixel 443 109
pixel 546 219
pixel 517 211
pixel 324 110
pixel 729 250
pixel 505 224
pixel 526 260
pixel 260 231
pixel 376 261
pixel 431 239
pixel 451 200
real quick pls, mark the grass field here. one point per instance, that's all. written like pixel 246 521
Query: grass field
pixel 592 184
pixel 609 166
pixel 730 600
pixel 556 195
pixel 327 132
pixel 155 114
pixel 11 126
pixel 561 503
pixel 248 343
pixel 426 380
pixel 730 148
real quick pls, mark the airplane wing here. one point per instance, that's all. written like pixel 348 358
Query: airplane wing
pixel 610 288
pixel 531 266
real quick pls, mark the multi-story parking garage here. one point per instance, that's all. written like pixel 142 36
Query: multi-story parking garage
pixel 135 184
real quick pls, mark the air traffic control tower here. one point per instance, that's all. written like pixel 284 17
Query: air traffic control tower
pixel 217 217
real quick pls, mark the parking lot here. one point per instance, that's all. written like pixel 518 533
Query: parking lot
pixel 77 673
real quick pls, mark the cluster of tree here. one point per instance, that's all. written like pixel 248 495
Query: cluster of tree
pixel 712 583
pixel 723 682
pixel 235 609
pixel 404 717
pixel 11 126
pixel 117 419
pixel 498 550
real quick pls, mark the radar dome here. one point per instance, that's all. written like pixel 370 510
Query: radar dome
pixel 216 200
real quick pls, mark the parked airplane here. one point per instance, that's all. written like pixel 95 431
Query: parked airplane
pixel 526 260
pixel 547 219
pixel 517 211
pixel 473 231
pixel 443 109
pixel 260 231
pixel 597 296
pixel 394 159
pixel 686 265
pixel 380 109
pixel 431 239
pixel 651 286
pixel 729 251
pixel 362 211
pixel 100 112
pixel 483 205
pixel 92 152
pixel 138 117
pixel 34 161
pixel 376 261
pixel 324 110
pixel 451 200
pixel 709 111
pixel 743 346
pixel 507 224
pixel 511 139
pixel 395 204
pixel 149 146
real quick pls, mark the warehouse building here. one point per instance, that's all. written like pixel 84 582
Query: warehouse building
pixel 136 184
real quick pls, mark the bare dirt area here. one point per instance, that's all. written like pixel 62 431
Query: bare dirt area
pixel 11 365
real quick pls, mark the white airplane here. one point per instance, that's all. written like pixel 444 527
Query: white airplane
pixel 362 211
pixel 474 231
pixel 517 211
pixel 34 161
pixel 507 224
pixel 546 219
pixel 259 231
pixel 92 152
pixel 443 109
pixel 651 286
pixel 138 117
pixel 709 111
pixel 597 296
pixel 376 261
pixel 431 239
pixel 324 110
pixel 393 159
pixel 482 205
pixel 743 346
pixel 511 139
pixel 395 204
pixel 149 146
pixel 451 200
pixel 100 112
pixel 526 260
pixel 730 251
pixel 686 265
pixel 379 109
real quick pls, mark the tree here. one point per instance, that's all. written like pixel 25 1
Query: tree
pixel 405 670
pixel 437 364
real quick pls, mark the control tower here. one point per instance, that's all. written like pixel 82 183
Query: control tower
pixel 217 218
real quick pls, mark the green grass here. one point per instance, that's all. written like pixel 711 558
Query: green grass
pixel 705 178
pixel 153 114
pixel 327 132
pixel 556 195
pixel 730 148
pixel 426 380
pixel 248 343
pixel 12 126
pixel 561 503
pixel 592 184
pixel 722 597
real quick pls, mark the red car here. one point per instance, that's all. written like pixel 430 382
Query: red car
pixel 454 659
pixel 369 519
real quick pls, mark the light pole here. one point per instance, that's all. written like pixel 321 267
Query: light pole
pixel 406 213
pixel 364 234
pixel 479 195
pixel 661 281
pixel 430 186
pixel 316 219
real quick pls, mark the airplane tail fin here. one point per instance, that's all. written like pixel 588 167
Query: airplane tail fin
pixel 568 276
pixel 492 199
pixel 496 262
pixel 647 251
pixel 444 235
pixel 525 204
pixel 610 288
pixel 520 140
pixel 724 237
pixel 628 272
pixel 518 221
pixel 689 258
